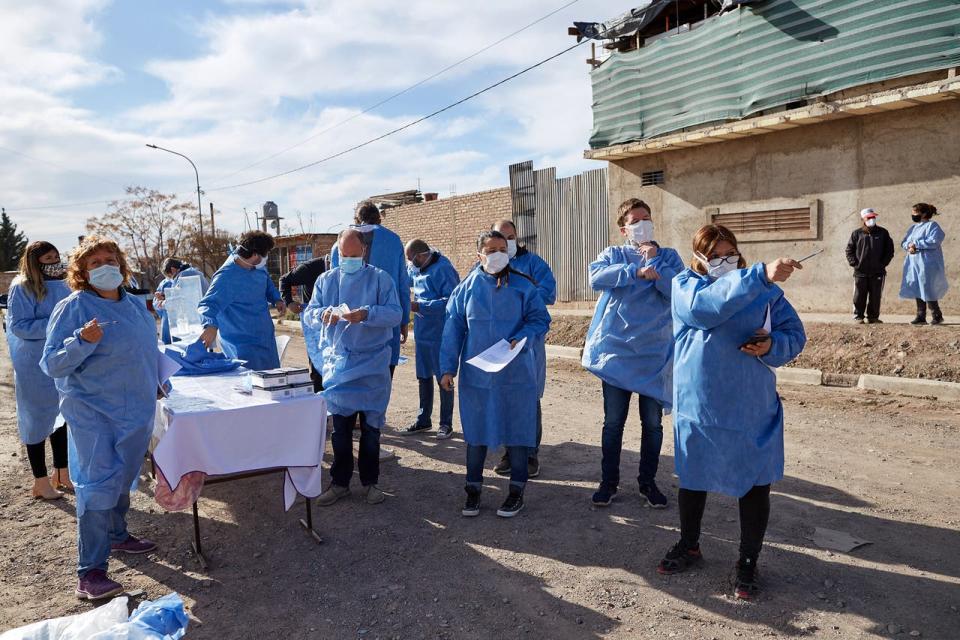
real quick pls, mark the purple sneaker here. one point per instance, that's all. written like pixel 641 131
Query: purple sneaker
pixel 134 545
pixel 95 585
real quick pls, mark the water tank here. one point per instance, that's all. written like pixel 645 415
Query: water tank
pixel 270 210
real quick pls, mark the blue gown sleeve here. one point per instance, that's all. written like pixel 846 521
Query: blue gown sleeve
pixel 546 283
pixel 668 264
pixel 536 320
pixel 448 281
pixel 454 333
pixel 273 294
pixel 906 239
pixel 403 290
pixel 386 313
pixel 606 273
pixel 314 310
pixel 335 257
pixel 23 307
pixel 788 336
pixel 931 240
pixel 704 304
pixel 64 350
pixel 216 298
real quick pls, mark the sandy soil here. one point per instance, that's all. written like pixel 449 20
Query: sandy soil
pixel 883 349
pixel 880 467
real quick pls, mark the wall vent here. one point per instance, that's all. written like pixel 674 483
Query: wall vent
pixel 650 178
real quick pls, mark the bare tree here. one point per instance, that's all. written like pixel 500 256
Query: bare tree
pixel 149 225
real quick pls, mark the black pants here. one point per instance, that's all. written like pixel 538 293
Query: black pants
pixel 37 453
pixel 867 291
pixel 315 377
pixel 368 458
pixel 754 514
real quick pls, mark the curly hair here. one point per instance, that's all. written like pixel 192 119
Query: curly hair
pixel 77 273
pixel 706 239
pixel 924 209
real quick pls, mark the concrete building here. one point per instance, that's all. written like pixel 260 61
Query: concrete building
pixel 814 111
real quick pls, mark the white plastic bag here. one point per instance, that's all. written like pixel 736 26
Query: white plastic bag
pixel 78 627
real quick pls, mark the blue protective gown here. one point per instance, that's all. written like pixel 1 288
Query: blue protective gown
pixel 238 304
pixel 728 419
pixel 924 273
pixel 539 271
pixel 495 408
pixel 165 336
pixel 432 287
pixel 630 340
pixel 37 399
pixel 108 392
pixel 387 254
pixel 354 359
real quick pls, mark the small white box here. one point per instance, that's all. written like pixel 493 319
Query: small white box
pixel 284 393
pixel 282 377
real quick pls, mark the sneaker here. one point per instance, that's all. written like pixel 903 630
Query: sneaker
pixel 472 506
pixel 936 320
pixel 655 499
pixel 386 453
pixel 134 545
pixel 512 505
pixel 373 494
pixel 95 585
pixel 858 321
pixel 603 496
pixel 874 321
pixel 415 428
pixel 679 558
pixel 919 320
pixel 533 467
pixel 444 432
pixel 746 584
pixel 331 495
pixel 503 467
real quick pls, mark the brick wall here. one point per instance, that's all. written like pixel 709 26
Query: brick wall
pixel 451 225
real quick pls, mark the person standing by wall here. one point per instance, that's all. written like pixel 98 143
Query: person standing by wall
pixel 924 272
pixel 733 326
pixel 869 251
pixel 433 279
pixel 537 269
pixel 33 295
pixel 629 346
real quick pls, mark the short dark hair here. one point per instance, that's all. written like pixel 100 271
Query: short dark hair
pixel 627 206
pixel 367 213
pixel 256 242
pixel 171 263
pixel 418 246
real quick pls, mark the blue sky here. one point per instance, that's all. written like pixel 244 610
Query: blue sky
pixel 86 83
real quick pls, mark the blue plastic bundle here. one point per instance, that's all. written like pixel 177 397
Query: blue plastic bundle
pixel 195 360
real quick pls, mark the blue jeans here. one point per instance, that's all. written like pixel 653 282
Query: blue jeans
pixel 368 459
pixel 97 530
pixel 477 455
pixel 616 405
pixel 426 404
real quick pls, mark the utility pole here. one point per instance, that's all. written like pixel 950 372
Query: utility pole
pixel 203 253
pixel 213 226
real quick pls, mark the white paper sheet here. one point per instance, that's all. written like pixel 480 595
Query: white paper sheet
pixel 497 357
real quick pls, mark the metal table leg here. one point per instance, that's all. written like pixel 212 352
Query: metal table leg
pixel 308 523
pixel 197 549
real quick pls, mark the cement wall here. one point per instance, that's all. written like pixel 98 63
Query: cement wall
pixel 888 161
pixel 451 225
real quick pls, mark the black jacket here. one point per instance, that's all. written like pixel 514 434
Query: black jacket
pixel 869 252
pixel 303 275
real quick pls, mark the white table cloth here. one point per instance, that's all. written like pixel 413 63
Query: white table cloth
pixel 207 426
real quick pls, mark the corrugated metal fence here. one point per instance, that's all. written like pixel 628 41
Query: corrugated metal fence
pixel 565 221
pixel 769 55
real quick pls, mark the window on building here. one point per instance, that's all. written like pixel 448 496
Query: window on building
pixel 792 221
pixel 650 178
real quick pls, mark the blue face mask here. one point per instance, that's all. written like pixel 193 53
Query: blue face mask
pixel 351 265
pixel 105 277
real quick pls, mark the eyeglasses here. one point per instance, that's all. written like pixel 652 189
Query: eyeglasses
pixel 731 259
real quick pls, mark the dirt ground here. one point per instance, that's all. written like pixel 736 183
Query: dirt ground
pixel 880 467
pixel 881 349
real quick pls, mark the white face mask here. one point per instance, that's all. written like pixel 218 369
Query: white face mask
pixel 871 222
pixel 640 231
pixel 495 262
pixel 717 267
pixel 512 248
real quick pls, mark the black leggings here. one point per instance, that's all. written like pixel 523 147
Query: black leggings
pixel 38 455
pixel 754 514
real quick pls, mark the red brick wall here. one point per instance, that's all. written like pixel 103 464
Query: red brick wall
pixel 451 225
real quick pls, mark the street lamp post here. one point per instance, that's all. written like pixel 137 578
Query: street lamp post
pixel 203 253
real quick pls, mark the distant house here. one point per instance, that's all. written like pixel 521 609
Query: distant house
pixel 781 119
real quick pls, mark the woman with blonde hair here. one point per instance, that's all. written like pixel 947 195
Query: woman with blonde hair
pixel 34 293
pixel 732 325
pixel 102 349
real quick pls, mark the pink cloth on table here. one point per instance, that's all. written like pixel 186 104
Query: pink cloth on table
pixel 186 493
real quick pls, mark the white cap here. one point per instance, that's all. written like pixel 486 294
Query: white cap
pixel 868 213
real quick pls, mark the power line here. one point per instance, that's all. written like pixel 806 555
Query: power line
pixel 396 95
pixel 58 166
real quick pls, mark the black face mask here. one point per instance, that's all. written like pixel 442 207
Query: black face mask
pixel 916 217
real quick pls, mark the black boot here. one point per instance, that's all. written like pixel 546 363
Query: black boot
pixel 921 313
pixel 936 314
